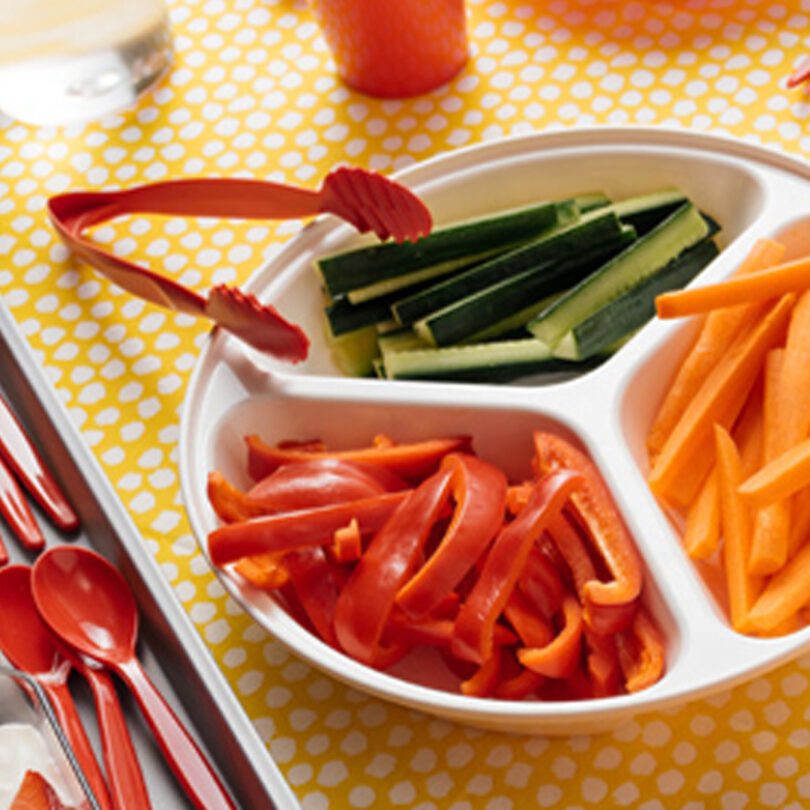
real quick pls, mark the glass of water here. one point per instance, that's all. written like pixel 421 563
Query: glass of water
pixel 63 61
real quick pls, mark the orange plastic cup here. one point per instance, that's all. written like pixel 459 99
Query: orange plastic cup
pixel 394 48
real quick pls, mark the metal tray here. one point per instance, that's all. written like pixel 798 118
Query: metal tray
pixel 170 647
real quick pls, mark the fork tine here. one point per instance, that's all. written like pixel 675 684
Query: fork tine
pixel 17 513
pixel 22 458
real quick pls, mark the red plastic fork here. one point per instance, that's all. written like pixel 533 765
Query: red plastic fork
pixel 20 460
pixel 367 200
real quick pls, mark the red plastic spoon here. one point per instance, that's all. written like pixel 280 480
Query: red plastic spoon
pixel 88 603
pixel 29 646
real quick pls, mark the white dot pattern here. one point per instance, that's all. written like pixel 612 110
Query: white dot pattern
pixel 253 93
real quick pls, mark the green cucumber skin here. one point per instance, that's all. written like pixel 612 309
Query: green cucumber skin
pixel 543 252
pixel 343 317
pixel 343 272
pixel 500 361
pixel 634 308
pixel 461 320
pixel 625 270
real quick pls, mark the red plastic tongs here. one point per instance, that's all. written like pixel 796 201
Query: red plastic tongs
pixel 369 201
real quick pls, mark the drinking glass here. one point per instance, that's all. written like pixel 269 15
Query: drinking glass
pixel 63 61
pixel 394 48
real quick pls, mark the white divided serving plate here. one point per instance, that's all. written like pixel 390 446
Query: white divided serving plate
pixel 234 391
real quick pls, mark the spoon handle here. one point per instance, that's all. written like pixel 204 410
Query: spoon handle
pixel 71 723
pixel 127 788
pixel 194 773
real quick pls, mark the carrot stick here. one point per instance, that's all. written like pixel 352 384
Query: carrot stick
pixel 786 474
pixel 720 398
pixel 790 277
pixel 735 521
pixel 716 335
pixel 799 522
pixel 771 521
pixel 785 594
pixel 702 533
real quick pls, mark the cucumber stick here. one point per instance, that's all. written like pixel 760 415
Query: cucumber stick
pixel 556 246
pixel 461 320
pixel 626 313
pixel 682 229
pixel 498 361
pixel 381 267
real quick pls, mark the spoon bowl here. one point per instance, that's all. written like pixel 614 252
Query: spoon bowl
pixel 30 646
pixel 85 600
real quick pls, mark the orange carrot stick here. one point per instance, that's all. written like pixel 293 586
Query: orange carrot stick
pixel 799 522
pixel 702 533
pixel 720 398
pixel 790 277
pixel 772 521
pixel 785 594
pixel 735 521
pixel 716 335
pixel 786 474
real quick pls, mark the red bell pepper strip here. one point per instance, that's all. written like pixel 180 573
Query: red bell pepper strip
pixel 560 657
pixel 319 482
pixel 411 461
pixel 532 627
pixel 228 501
pixel 641 653
pixel 433 632
pixel 540 582
pixel 316 586
pixel 293 530
pixel 473 636
pixel 602 664
pixel 572 549
pixel 486 677
pixel 479 491
pixel 597 512
pixel 266 571
pixel 366 601
pixel 606 620
pixel 347 544
pixel 519 686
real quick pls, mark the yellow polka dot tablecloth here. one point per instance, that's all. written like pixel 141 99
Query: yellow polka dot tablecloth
pixel 253 92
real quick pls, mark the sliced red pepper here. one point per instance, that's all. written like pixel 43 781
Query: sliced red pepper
pixel 319 482
pixel 609 619
pixel 532 627
pixel 479 491
pixel 517 496
pixel 540 583
pixel 560 657
pixel 572 549
pixel 519 686
pixel 473 636
pixel 228 501
pixel 293 530
pixel 316 585
pixel 347 544
pixel 367 599
pixel 412 461
pixel 602 664
pixel 434 632
pixel 483 682
pixel 641 653
pixel 265 571
pixel 595 509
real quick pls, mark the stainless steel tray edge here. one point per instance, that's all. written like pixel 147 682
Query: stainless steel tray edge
pixel 220 721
